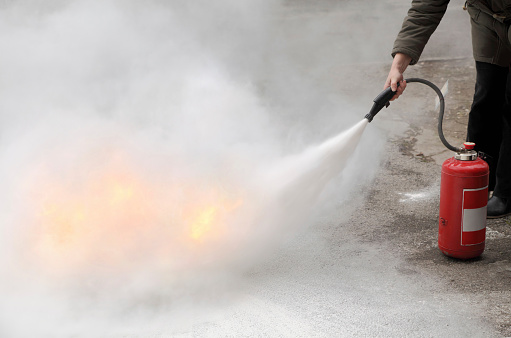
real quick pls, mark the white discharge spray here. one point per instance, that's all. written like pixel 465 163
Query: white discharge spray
pixel 109 234
pixel 140 174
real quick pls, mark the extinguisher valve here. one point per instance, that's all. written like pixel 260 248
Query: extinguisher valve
pixel 469 145
pixel 467 153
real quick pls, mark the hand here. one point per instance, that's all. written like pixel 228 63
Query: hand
pixel 392 80
pixel 401 61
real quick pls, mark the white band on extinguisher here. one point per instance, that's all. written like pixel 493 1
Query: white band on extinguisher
pixel 474 219
pixel 473 226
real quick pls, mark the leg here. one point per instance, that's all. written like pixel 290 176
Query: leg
pixel 485 118
pixel 503 187
pixel 500 203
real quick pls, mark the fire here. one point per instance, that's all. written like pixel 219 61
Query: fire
pixel 210 221
pixel 202 225
pixel 120 194
pixel 116 216
pixel 96 218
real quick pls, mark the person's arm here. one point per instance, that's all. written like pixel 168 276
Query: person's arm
pixel 422 20
pixel 418 26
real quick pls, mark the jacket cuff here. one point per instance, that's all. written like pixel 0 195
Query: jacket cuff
pixel 413 54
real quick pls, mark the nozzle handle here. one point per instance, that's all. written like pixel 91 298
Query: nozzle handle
pixel 384 97
pixel 380 101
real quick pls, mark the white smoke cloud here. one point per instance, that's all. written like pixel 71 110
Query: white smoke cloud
pixel 125 128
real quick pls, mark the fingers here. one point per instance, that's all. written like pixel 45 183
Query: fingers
pixel 393 85
pixel 399 90
pixel 394 78
pixel 387 84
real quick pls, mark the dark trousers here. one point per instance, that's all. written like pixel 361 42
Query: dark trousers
pixel 489 123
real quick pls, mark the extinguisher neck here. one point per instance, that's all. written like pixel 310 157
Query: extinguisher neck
pixel 466 155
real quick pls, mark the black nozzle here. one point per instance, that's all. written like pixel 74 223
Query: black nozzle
pixel 382 100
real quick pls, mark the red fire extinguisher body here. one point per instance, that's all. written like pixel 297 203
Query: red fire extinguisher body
pixel 463 201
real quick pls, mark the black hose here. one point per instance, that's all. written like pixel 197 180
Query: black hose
pixel 440 114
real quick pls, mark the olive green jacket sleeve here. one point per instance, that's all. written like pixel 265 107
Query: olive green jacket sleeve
pixel 421 21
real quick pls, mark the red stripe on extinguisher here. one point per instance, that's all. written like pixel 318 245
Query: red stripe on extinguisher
pixel 474 199
pixel 473 226
pixel 473 237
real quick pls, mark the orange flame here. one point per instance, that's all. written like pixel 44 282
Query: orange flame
pixel 209 221
pixel 115 216
pixel 202 224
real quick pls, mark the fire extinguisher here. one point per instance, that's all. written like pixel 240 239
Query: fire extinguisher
pixel 463 200
pixel 463 190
